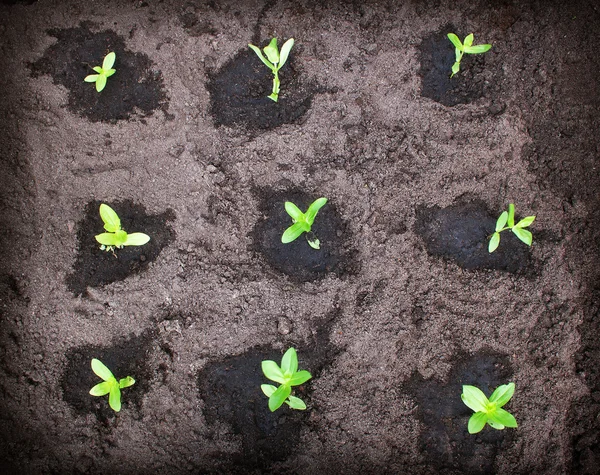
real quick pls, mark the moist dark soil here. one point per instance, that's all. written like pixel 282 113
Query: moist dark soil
pixel 298 259
pixel 240 88
pixel 400 307
pixel 137 89
pixel 95 267
pixel 461 232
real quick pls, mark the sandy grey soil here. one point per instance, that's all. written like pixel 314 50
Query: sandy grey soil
pixel 391 337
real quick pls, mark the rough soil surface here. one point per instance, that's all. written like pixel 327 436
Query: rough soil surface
pixel 399 309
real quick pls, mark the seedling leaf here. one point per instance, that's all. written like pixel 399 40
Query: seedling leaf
pixel 293 211
pixel 101 370
pixel 101 389
pixel 502 394
pixel 313 209
pixel 285 51
pixel 268 389
pixel 271 52
pixel 296 403
pixel 100 82
pixel 477 422
pixel 272 371
pixel 477 49
pixel 504 418
pixel 289 362
pixel 474 398
pixel 114 398
pixel 109 60
pixel 292 233
pixel 300 378
pixel 112 223
pixel 525 222
pixel 126 382
pixel 501 221
pixel 523 235
pixel 259 53
pixel 455 41
pixel 136 239
pixel 494 242
pixel 279 396
pixel 91 78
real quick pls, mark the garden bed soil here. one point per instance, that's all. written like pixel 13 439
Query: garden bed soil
pixel 400 307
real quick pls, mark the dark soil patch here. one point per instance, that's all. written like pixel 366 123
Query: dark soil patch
pixel 95 267
pixel 137 86
pixel 437 57
pixel 239 93
pixel 128 357
pixel 445 438
pixel 461 232
pixel 231 391
pixel 297 259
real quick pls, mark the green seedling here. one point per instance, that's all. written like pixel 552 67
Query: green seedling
pixel 104 72
pixel 274 61
pixel 467 47
pixel 489 410
pixel 117 237
pixel 110 385
pixel 507 221
pixel 303 222
pixel 287 375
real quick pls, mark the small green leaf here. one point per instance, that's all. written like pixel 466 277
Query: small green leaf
pixel 293 211
pixel 272 371
pixel 474 398
pixel 455 68
pixel 296 403
pixel 268 389
pixel 525 222
pixel 523 235
pixel 98 69
pixel 271 52
pixel 126 382
pixel 101 370
pixel 120 238
pixel 455 41
pixel 313 209
pixel 261 57
pixel 289 362
pixel 501 222
pixel 91 78
pixel 511 215
pixel 106 239
pixel 314 243
pixel 279 396
pixel 468 40
pixel 110 218
pixel 110 72
pixel 285 51
pixel 494 424
pixel 100 82
pixel 477 49
pixel 114 398
pixel 502 417
pixel 494 242
pixel 502 394
pixel 136 239
pixel 109 60
pixel 477 422
pixel 299 378
pixel 292 233
pixel 101 389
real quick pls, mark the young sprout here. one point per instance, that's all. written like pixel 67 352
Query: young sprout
pixel 467 47
pixel 507 221
pixel 104 72
pixel 489 410
pixel 287 375
pixel 274 61
pixel 302 222
pixel 110 385
pixel 117 237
